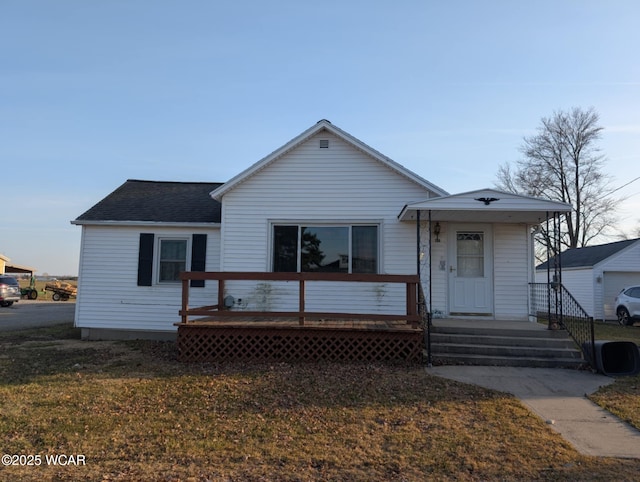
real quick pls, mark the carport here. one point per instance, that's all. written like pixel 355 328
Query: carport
pixel 18 269
pixel 12 268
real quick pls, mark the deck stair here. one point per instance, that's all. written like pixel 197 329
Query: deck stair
pixel 523 344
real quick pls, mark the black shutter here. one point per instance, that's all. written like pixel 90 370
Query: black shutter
pixel 145 260
pixel 198 257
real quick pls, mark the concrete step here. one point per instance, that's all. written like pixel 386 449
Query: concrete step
pixel 505 350
pixel 535 340
pixel 510 361
pixel 538 331
pixel 503 347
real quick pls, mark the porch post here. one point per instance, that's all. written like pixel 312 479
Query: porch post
pixel 429 311
pixel 558 264
pixel 554 282
pixel 220 294
pixel 418 243
pixel 185 300
pixel 430 280
pixel 301 307
pixel 548 276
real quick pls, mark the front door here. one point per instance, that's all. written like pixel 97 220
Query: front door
pixel 471 270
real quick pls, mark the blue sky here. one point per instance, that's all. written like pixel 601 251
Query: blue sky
pixel 96 92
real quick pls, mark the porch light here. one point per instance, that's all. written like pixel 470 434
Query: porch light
pixel 436 231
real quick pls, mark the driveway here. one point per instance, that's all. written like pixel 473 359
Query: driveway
pixel 34 314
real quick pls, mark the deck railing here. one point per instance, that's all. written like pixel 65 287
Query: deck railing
pixel 410 316
pixel 554 303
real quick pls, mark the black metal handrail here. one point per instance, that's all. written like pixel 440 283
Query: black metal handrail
pixel 553 302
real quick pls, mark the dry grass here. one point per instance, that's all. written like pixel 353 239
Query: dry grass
pixel 613 331
pixel 137 414
pixel 622 398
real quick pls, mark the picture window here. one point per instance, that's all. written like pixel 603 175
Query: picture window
pixel 325 249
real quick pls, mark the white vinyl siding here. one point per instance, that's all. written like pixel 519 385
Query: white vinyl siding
pixel 439 269
pixel 320 296
pixel 108 295
pixel 511 271
pixel 334 186
pixel 581 284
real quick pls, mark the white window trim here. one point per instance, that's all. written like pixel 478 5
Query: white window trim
pixel 315 223
pixel 157 260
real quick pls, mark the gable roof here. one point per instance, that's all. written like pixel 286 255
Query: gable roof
pixel 320 126
pixel 156 201
pixel 485 205
pixel 590 255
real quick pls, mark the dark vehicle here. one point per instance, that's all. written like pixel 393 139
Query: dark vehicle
pixel 628 305
pixel 9 290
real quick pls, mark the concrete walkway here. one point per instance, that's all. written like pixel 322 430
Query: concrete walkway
pixel 558 396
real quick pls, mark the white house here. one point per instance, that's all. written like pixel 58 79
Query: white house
pixel 324 201
pixel 594 275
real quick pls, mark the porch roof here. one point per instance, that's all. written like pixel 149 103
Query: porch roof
pixel 484 206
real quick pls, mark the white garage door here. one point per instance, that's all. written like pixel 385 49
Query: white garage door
pixel 614 281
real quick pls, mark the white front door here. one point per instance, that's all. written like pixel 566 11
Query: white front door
pixel 471 270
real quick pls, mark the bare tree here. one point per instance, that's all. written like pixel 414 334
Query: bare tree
pixel 562 162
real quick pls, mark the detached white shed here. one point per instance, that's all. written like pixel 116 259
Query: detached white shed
pixel 594 275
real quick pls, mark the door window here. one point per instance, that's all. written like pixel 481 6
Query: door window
pixel 470 258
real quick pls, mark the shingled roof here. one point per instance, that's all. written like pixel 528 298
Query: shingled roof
pixel 591 255
pixel 157 201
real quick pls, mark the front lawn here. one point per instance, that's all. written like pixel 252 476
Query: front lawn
pixel 134 413
pixel 613 331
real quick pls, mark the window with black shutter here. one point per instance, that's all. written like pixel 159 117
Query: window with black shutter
pixel 145 259
pixel 198 257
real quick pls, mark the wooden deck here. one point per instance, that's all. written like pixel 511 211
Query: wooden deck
pixel 288 341
pixel 283 323
pixel 211 333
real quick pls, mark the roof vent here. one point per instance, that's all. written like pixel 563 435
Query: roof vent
pixel 324 143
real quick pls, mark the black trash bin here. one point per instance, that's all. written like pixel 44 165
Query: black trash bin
pixel 617 358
